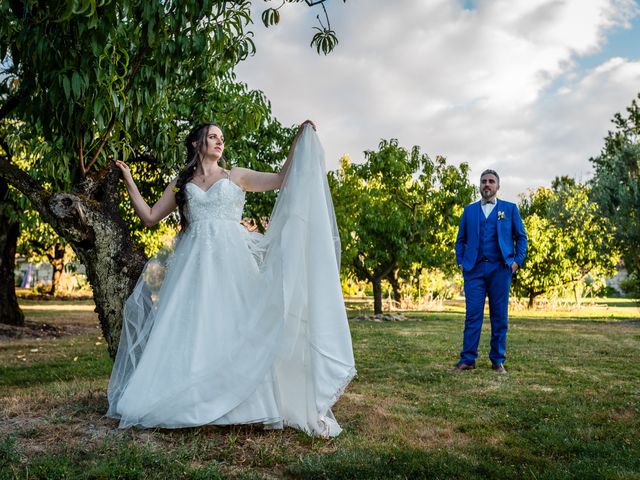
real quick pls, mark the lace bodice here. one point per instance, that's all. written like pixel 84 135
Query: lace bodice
pixel 224 200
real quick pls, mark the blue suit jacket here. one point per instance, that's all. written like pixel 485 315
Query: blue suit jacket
pixel 511 234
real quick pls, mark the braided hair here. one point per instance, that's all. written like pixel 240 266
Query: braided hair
pixel 197 135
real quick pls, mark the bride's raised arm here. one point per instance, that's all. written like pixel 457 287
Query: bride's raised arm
pixel 252 181
pixel 150 216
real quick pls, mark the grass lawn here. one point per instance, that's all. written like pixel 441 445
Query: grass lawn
pixel 568 408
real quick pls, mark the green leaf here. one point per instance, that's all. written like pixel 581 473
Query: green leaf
pixel 270 16
pixel 66 85
pixel 76 84
pixel 97 106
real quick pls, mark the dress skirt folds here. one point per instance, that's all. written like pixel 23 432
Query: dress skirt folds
pixel 234 327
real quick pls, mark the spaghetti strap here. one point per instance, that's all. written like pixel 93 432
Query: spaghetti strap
pixel 227 173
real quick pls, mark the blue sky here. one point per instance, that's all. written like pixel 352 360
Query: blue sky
pixel 527 88
pixel 621 42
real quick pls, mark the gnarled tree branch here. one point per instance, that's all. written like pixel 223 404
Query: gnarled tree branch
pixel 16 177
pixel 56 209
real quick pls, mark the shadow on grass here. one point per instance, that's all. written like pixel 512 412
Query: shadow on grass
pixel 120 460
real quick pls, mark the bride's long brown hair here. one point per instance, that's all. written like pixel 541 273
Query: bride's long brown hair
pixel 197 135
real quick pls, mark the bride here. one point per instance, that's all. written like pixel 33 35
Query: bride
pixel 234 327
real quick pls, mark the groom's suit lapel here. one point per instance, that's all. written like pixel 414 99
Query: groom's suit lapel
pixel 499 208
pixel 479 212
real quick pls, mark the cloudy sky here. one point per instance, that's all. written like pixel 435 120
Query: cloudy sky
pixel 527 87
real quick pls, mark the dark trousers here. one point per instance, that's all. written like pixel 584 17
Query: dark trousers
pixel 492 279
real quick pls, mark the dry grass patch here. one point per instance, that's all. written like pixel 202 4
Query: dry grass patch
pixel 54 319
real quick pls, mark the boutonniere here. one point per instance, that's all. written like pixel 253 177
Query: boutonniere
pixel 500 215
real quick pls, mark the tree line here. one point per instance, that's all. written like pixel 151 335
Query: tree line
pixel 400 209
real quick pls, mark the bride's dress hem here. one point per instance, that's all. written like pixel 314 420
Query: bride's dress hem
pixel 324 418
pixel 142 426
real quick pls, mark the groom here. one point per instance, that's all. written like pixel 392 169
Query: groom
pixel 490 247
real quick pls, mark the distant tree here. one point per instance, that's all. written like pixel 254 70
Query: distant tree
pixel 616 186
pixel 397 209
pixel 38 242
pixel 90 82
pixel 569 243
pixel 10 312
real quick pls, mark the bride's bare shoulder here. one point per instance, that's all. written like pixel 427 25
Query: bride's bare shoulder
pixel 239 173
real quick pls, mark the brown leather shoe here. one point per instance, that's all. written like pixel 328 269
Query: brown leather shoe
pixel 498 368
pixel 461 367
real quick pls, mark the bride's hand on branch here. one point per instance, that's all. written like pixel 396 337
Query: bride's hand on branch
pixel 126 172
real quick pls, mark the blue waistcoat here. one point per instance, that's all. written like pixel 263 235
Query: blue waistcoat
pixel 488 245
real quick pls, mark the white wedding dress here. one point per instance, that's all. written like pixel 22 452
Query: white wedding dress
pixel 233 327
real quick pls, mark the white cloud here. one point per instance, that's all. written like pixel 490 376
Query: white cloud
pixel 570 126
pixel 474 85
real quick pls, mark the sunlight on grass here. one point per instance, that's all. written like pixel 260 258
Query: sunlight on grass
pixel 59 307
pixel 602 309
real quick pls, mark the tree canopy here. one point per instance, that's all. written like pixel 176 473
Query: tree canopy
pixel 396 209
pixel 570 245
pixel 616 186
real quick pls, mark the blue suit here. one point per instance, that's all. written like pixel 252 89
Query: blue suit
pixel 486 248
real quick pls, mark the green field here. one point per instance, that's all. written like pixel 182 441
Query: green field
pixel 568 408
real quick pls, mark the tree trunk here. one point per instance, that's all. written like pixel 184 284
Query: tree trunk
pixel 10 312
pixel 578 291
pixel 89 220
pixel 377 295
pixel 375 278
pixel 532 299
pixel 395 286
pixel 57 263
pixel 113 266
pixel 112 262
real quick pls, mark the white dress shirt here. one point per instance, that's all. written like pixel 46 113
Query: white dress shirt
pixel 487 207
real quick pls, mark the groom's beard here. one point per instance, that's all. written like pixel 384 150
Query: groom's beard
pixel 488 193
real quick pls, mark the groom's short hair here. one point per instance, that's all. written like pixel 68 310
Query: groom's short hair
pixel 492 172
